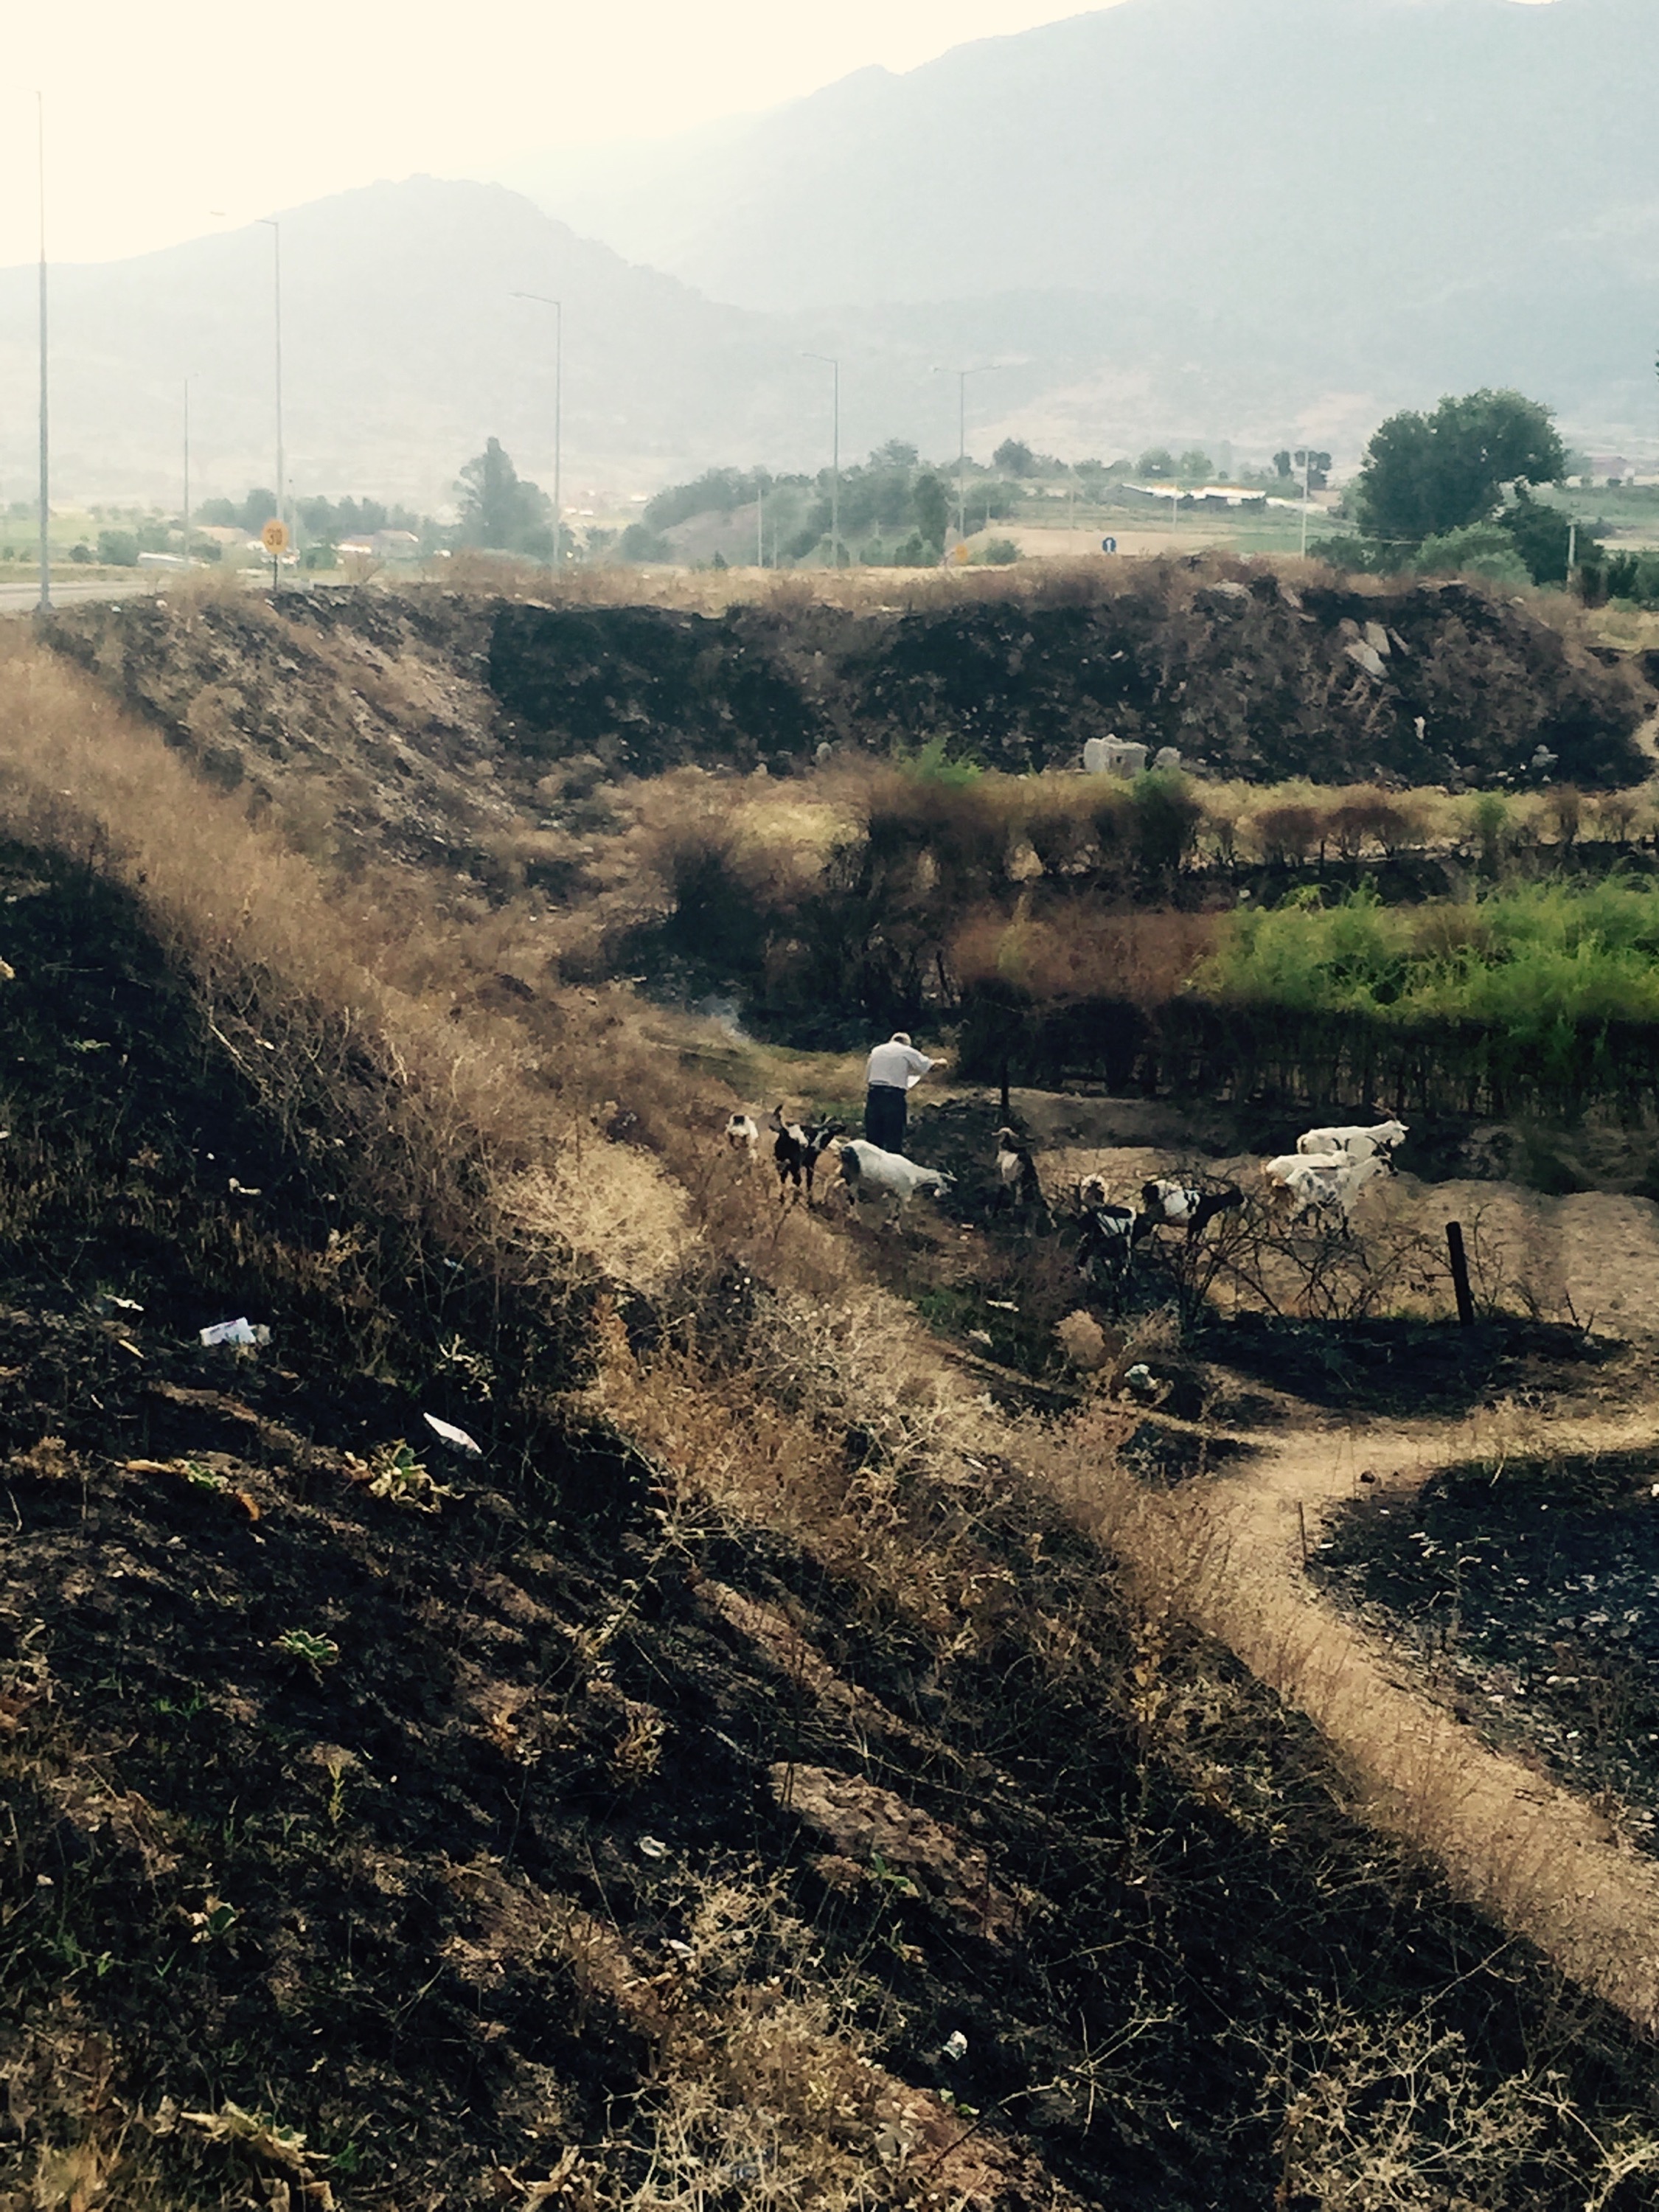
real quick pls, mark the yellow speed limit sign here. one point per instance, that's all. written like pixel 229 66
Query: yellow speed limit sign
pixel 274 538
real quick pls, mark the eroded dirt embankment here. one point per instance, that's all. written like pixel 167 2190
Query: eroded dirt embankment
pixel 1244 674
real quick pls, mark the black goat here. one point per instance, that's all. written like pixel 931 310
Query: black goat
pixel 1174 1205
pixel 799 1149
pixel 1106 1241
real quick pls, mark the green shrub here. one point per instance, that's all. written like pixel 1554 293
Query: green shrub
pixel 1484 548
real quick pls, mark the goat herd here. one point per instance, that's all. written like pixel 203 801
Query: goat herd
pixel 1319 1181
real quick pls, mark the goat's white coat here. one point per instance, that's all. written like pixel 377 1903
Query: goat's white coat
pixel 890 1173
pixel 1356 1143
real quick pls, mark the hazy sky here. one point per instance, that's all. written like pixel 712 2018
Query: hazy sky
pixel 155 117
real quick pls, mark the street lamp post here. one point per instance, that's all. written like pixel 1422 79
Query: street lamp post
pixel 184 520
pixel 46 472
pixel 557 306
pixel 835 463
pixel 274 226
pixel 961 376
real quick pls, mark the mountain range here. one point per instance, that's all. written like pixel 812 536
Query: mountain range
pixel 1243 219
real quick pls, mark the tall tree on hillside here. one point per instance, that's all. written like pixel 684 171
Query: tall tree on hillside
pixel 930 503
pixel 1425 475
pixel 502 510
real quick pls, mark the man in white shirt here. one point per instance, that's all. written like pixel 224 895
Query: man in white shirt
pixel 895 1069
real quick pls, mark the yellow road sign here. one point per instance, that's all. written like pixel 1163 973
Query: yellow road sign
pixel 274 538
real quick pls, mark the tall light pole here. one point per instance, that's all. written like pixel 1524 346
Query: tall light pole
pixel 46 472
pixel 961 376
pixel 275 226
pixel 835 465
pixel 184 518
pixel 557 306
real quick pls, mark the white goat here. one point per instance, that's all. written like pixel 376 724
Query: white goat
pixel 1329 1184
pixel 742 1134
pixel 1357 1143
pixel 867 1169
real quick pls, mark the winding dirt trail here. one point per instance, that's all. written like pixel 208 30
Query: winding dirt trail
pixel 1540 1860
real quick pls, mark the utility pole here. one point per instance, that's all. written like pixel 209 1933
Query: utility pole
pixel 1306 489
pixel 760 524
pixel 961 376
pixel 275 226
pixel 45 471
pixel 557 306
pixel 835 465
pixel 184 528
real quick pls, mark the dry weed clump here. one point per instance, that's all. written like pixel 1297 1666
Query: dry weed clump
pixel 1398 2117
pixel 761 2078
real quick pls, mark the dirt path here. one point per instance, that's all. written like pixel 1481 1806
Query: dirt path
pixel 1541 1861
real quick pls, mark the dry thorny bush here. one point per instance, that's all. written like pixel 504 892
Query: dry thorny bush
pixel 1395 2116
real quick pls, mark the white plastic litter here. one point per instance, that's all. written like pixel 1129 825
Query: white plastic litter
pixel 456 1440
pixel 240 1331
pixel 651 1849
pixel 955 2047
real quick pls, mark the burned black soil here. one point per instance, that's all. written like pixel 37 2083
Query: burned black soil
pixel 1529 1592
pixel 1225 662
pixel 405 1830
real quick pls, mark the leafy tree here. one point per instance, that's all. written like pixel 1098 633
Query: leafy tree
pixel 1633 576
pixel 1158 462
pixel 1282 463
pixel 716 491
pixel 930 503
pixel 639 541
pixel 1426 475
pixel 499 509
pixel 895 454
pixel 915 553
pixel 1314 468
pixel 1543 536
pixel 1195 466
pixel 258 508
pixel 1015 457
pixel 218 514
pixel 118 548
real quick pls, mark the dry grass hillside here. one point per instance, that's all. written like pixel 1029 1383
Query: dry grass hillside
pixel 789 1764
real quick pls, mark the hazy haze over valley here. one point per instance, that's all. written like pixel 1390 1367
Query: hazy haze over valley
pixel 1227 220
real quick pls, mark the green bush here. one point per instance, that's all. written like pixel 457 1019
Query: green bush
pixel 1635 577
pixel 1484 548
pixel 997 553
pixel 1540 963
pixel 117 548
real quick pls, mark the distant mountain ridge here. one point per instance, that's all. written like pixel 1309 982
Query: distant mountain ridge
pixel 403 349
pixel 1380 195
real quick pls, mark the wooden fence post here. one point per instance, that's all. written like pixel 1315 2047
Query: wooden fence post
pixel 1460 1273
